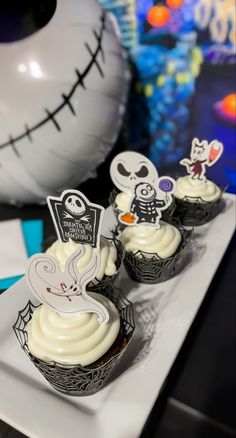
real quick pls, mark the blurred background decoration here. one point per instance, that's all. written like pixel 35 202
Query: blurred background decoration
pixel 168 42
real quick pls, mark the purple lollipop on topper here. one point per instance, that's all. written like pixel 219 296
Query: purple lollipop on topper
pixel 166 185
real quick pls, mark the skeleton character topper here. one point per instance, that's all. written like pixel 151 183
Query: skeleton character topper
pixel 65 292
pixel 202 154
pixel 129 168
pixel 76 218
pixel 148 202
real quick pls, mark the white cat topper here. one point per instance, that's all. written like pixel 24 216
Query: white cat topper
pixel 202 154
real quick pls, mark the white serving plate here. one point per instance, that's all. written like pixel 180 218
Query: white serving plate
pixel 164 314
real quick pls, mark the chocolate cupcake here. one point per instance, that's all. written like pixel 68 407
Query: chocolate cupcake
pixel 153 255
pixel 197 201
pixel 76 355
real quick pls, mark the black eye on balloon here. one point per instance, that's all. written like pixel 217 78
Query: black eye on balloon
pixel 122 170
pixel 20 19
pixel 78 203
pixel 143 172
pixel 69 200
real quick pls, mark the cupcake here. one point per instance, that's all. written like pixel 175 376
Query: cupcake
pixel 153 255
pixel 110 261
pixel 76 355
pixel 197 201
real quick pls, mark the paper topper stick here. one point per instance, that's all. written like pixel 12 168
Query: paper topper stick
pixel 129 168
pixel 65 292
pixel 76 218
pixel 148 202
pixel 202 154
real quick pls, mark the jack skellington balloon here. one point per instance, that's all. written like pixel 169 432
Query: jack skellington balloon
pixel 129 168
pixel 63 93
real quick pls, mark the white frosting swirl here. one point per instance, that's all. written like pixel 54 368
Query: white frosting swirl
pixel 61 251
pixel 72 340
pixel 194 188
pixel 123 200
pixel 162 241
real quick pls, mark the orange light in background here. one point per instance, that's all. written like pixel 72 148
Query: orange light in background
pixel 174 4
pixel 158 16
pixel 229 104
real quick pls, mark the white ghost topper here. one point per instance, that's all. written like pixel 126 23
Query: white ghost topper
pixel 65 292
pixel 129 168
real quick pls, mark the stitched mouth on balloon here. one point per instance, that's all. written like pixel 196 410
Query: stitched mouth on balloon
pixel 20 19
pixel 66 98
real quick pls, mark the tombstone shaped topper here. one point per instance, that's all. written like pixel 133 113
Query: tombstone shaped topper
pixel 75 218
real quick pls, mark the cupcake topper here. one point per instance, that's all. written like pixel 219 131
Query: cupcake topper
pixel 202 154
pixel 133 172
pixel 65 292
pixel 75 218
pixel 129 168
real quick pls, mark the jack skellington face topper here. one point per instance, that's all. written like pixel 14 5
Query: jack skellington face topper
pixel 148 201
pixel 202 154
pixel 65 292
pixel 75 218
pixel 129 168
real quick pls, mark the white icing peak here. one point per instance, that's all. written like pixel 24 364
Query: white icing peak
pixel 195 188
pixel 123 200
pixel 162 241
pixel 61 251
pixel 71 341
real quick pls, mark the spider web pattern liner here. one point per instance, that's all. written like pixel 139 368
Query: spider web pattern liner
pixel 149 268
pixel 194 211
pixel 77 380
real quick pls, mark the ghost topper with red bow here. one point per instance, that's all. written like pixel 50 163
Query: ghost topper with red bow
pixel 76 219
pixel 65 291
pixel 203 153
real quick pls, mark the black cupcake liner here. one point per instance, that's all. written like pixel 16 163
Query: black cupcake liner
pixel 149 268
pixel 108 282
pixel 166 215
pixel 77 380
pixel 194 211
